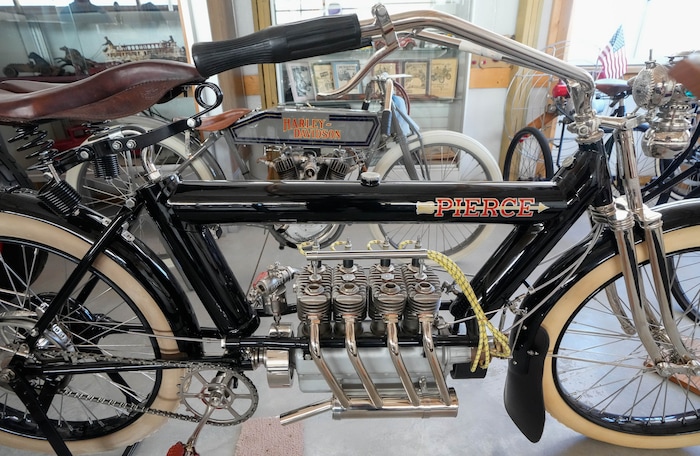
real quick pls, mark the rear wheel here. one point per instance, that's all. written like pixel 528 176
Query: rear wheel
pixel 528 157
pixel 598 379
pixel 450 157
pixel 109 313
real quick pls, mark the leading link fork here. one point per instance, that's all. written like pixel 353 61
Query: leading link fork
pixel 621 216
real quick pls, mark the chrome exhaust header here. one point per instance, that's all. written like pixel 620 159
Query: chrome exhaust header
pixel 392 407
pixel 408 401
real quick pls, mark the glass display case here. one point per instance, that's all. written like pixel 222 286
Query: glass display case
pixel 433 77
pixel 62 43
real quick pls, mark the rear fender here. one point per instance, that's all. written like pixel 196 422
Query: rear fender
pixel 137 258
pixel 523 395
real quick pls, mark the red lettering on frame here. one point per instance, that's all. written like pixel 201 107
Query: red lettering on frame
pixel 505 210
pixel 526 205
pixel 443 204
pixel 471 208
pixel 459 207
pixel 490 207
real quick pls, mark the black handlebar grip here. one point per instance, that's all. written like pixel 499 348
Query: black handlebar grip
pixel 280 43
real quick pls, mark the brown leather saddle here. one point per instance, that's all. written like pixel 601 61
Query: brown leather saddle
pixel 119 91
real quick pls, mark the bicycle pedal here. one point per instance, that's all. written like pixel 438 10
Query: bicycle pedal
pixel 179 449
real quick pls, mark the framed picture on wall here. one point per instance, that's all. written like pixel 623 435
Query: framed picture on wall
pixel 300 80
pixel 416 83
pixel 391 68
pixel 443 78
pixel 323 76
pixel 343 71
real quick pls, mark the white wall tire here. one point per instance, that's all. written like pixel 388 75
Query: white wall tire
pixel 579 359
pixel 166 395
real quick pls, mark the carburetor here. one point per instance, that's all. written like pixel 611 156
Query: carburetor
pixel 669 132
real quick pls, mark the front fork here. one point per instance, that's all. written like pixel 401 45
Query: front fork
pixel 661 340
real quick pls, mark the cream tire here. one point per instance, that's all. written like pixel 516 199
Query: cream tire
pixel 31 229
pixel 555 322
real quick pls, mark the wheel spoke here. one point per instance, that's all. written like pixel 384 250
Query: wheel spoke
pixel 606 376
pixel 99 318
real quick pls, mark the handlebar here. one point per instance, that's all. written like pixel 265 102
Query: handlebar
pixel 326 35
pixel 280 43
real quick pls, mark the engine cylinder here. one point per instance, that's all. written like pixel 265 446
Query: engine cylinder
pixel 286 168
pixel 388 295
pixel 349 297
pixel 423 296
pixel 337 170
pixel 314 287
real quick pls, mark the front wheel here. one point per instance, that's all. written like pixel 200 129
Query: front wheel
pixel 598 379
pixel 109 313
pixel 449 157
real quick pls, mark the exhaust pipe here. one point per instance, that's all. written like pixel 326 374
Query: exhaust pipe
pixel 430 407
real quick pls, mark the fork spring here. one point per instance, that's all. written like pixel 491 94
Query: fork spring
pixel 60 197
pixel 106 166
pixel 35 137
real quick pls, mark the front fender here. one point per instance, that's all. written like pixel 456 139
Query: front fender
pixel 137 258
pixel 523 395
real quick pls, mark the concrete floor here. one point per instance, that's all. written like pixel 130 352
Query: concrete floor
pixel 482 426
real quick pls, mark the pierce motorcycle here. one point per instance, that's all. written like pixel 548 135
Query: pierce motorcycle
pixel 101 345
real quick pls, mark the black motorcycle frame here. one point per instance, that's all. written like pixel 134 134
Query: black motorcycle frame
pixel 184 212
pixel 540 212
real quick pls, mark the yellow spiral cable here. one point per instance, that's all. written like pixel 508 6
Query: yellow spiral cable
pixel 337 243
pixel 373 242
pixel 301 247
pixel 403 244
pixel 501 340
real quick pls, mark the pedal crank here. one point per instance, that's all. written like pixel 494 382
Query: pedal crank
pixel 230 394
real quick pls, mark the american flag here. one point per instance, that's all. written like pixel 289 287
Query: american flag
pixel 613 60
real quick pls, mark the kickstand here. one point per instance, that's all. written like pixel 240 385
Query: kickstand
pixel 26 393
pixel 129 451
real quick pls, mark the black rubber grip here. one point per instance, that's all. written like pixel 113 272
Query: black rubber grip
pixel 280 43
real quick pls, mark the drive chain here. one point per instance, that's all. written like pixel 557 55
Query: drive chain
pixel 135 408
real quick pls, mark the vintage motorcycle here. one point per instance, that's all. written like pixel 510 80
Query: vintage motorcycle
pixel 100 345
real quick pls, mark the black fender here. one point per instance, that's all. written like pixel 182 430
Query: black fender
pixel 137 258
pixel 523 396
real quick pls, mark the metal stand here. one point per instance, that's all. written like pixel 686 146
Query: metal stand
pixel 26 393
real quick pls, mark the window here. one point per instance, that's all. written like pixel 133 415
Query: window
pixel 293 10
pixel 664 26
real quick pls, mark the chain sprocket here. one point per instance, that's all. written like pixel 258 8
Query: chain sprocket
pixel 234 376
pixel 231 393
